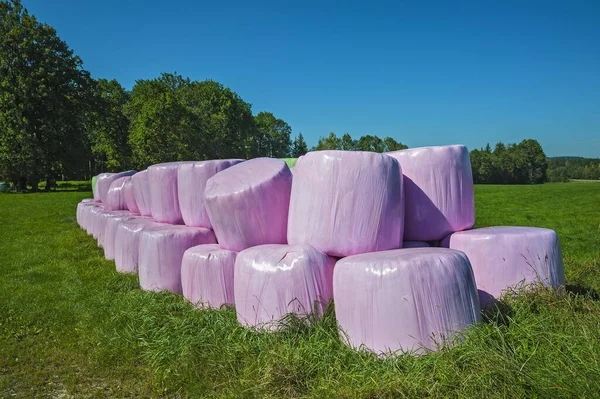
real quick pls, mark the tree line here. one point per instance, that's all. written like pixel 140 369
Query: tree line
pixel 562 169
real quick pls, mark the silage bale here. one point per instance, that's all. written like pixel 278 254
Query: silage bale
pixel 191 182
pixel 115 198
pixel 141 192
pixel 90 220
pixel 415 244
pixel 127 243
pixel 346 202
pixel 164 199
pixel 404 299
pixel 130 202
pixel 273 280
pixel 438 187
pixel 82 211
pixel 105 180
pixel 248 203
pixel 161 251
pixel 99 223
pixel 110 232
pixel 207 275
pixel 508 257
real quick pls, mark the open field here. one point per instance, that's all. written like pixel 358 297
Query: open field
pixel 70 326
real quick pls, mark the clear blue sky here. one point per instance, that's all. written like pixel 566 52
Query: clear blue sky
pixel 423 72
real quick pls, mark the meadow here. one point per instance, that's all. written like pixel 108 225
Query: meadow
pixel 70 326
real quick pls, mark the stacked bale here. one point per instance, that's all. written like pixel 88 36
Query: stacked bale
pixel 191 182
pixel 248 203
pixel 105 180
pixel 115 197
pixel 207 275
pixel 164 199
pixel 345 203
pixel 161 251
pixel 141 192
pixel 110 232
pixel 438 188
pixel 274 280
pixel 127 243
pixel 407 299
pixel 130 201
pixel 506 257
pixel 99 223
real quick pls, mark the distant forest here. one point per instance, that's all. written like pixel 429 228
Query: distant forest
pixel 561 169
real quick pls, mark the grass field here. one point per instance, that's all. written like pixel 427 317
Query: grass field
pixel 70 326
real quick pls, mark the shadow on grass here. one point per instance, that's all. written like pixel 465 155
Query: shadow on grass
pixel 578 289
pixel 494 311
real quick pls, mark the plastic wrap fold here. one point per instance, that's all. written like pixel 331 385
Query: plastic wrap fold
pixel 191 182
pixel 504 257
pixel 415 244
pixel 248 203
pixel 129 197
pixel 110 232
pixel 406 299
pixel 161 252
pixel 438 187
pixel 164 198
pixel 207 275
pixel 271 281
pixel 346 202
pixel 105 180
pixel 127 242
pixel 141 192
pixel 115 198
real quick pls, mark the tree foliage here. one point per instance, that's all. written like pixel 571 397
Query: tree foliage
pixel 523 163
pixel 562 169
pixel 272 137
pixel 364 143
pixel 299 146
pixel 44 99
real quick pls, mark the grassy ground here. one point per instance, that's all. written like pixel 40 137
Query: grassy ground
pixel 70 326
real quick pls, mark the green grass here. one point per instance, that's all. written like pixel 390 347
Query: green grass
pixel 70 326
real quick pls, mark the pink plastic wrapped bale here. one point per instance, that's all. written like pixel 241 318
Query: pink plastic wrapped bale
pixel 346 202
pixel 191 182
pixel 415 244
pixel 96 188
pixel 100 220
pixel 161 252
pixel 110 232
pixel 207 275
pixel 248 203
pixel 508 257
pixel 405 299
pixel 127 242
pixel 90 218
pixel 164 199
pixel 85 203
pixel 115 198
pixel 129 197
pixel 105 180
pixel 273 280
pixel 141 192
pixel 438 188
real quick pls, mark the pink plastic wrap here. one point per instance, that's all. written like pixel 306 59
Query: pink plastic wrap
pixel 91 220
pixel 129 197
pixel 110 232
pixel 141 192
pixel 105 180
pixel 346 202
pixel 81 211
pixel 191 181
pixel 438 187
pixel 402 299
pixel 99 228
pixel 207 275
pixel 127 242
pixel 115 198
pixel 161 253
pixel 273 280
pixel 504 257
pixel 164 199
pixel 415 244
pixel 248 203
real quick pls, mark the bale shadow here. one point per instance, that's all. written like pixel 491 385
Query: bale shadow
pixel 494 311
pixel 578 289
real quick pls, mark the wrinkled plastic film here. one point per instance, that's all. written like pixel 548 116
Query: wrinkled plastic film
pixel 248 203
pixel 271 281
pixel 141 192
pixel 191 182
pixel 346 202
pixel 161 251
pixel 406 299
pixel 105 180
pixel 110 232
pixel 164 198
pixel 507 257
pixel 207 275
pixel 130 202
pixel 438 187
pixel 115 198
pixel 127 240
